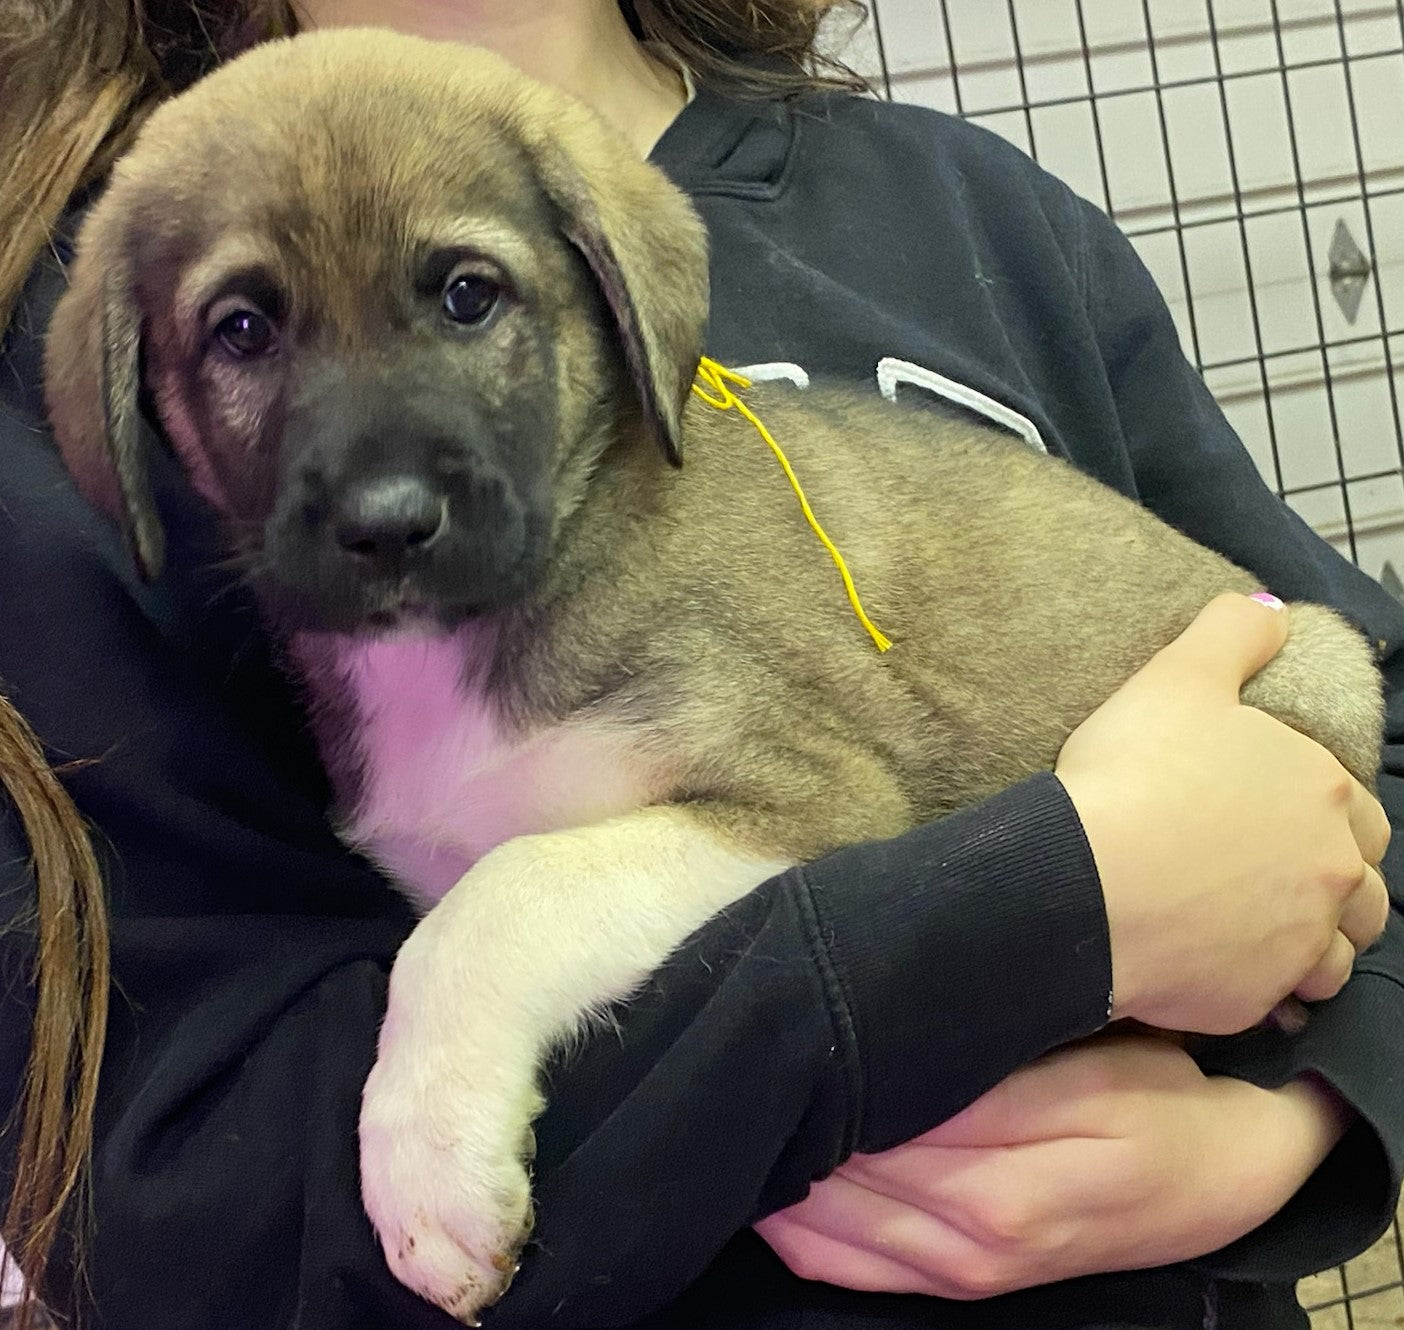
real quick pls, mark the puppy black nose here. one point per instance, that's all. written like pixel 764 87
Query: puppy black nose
pixel 389 518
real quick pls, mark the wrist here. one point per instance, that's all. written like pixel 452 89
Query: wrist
pixel 1098 810
pixel 1284 1136
pixel 1319 1117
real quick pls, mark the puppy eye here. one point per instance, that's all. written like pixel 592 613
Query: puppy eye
pixel 245 333
pixel 469 297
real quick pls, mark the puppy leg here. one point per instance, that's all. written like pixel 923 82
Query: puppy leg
pixel 543 932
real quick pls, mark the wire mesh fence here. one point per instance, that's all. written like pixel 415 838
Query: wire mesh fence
pixel 1365 1294
pixel 1253 150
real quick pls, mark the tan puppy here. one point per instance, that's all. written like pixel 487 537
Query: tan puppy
pixel 424 332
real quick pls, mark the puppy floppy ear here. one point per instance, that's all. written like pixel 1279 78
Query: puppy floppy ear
pixel 647 249
pixel 92 381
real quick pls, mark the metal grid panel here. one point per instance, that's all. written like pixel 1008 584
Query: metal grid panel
pixel 1254 152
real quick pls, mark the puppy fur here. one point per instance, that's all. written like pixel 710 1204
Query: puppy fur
pixel 619 681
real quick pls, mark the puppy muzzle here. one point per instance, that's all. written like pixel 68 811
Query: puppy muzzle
pixel 378 548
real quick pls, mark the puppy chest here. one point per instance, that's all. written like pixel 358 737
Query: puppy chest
pixel 444 782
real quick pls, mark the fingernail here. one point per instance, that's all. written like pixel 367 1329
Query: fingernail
pixel 1266 598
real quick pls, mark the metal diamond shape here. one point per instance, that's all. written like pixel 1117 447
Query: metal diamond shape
pixel 1389 579
pixel 1350 271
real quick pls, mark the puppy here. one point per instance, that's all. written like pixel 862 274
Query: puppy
pixel 424 333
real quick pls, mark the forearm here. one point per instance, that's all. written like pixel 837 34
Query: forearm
pixel 836 1007
pixel 987 947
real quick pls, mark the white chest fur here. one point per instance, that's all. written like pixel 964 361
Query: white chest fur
pixel 445 783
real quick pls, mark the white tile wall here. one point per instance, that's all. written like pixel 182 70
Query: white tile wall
pixel 1264 105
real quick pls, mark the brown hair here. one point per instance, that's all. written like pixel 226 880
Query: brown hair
pixel 77 76
pixel 76 79
pixel 69 929
pixel 766 48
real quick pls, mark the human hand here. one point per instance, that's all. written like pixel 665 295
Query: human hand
pixel 1114 1154
pixel 1237 857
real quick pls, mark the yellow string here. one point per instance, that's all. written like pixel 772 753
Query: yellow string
pixel 718 378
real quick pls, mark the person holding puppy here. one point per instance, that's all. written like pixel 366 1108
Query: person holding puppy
pixel 847 1008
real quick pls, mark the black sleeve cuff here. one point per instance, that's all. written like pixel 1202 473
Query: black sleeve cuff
pixel 1355 1043
pixel 935 1024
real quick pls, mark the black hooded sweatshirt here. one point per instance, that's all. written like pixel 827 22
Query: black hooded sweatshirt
pixel 847 1005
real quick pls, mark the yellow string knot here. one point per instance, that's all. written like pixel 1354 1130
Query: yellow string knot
pixel 718 379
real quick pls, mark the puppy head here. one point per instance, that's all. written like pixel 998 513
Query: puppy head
pixel 391 302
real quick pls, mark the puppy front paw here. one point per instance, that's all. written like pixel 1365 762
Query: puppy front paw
pixel 445 1147
pixel 446 1114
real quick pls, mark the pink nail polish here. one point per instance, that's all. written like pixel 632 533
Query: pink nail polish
pixel 1266 598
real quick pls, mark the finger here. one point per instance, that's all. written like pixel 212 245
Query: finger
pixel 1331 972
pixel 953 1182
pixel 817 1256
pixel 917 1235
pixel 930 1177
pixel 1230 640
pixel 1368 823
pixel 1366 912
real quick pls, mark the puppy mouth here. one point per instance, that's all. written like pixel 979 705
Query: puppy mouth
pixel 333 599
pixel 414 613
pixel 374 612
